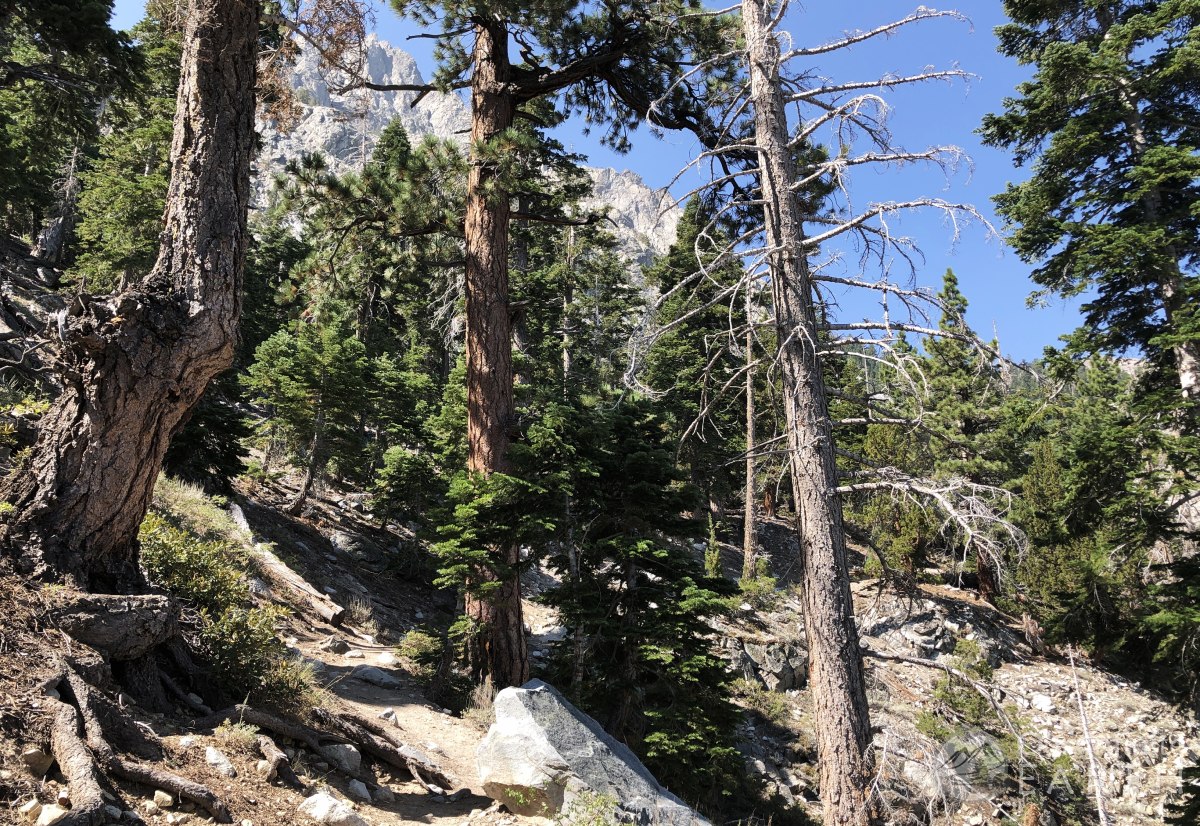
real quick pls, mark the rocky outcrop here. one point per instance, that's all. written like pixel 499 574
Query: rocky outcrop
pixel 938 767
pixel 345 128
pixel 542 754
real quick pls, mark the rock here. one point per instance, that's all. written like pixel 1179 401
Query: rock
pixel 163 799
pixel 37 761
pixel 375 676
pixel 388 713
pixel 387 660
pixel 30 810
pixel 344 756
pixel 643 220
pixel 1042 703
pixel 334 645
pixel 354 655
pixel 327 809
pixel 113 813
pixel 383 795
pixel 50 815
pixel 186 742
pixel 150 807
pixel 214 758
pixel 542 753
pixel 358 790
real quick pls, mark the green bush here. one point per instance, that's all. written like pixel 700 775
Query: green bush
pixel 422 648
pixel 237 641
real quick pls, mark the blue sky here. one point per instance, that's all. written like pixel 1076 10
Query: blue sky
pixel 994 280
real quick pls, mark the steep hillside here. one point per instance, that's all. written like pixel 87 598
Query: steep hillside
pixel 1007 739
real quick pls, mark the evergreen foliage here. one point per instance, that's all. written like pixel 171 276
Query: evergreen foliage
pixel 1109 124
pixel 125 187
pixel 59 59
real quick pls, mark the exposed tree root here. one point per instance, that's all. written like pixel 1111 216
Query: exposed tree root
pixel 81 760
pixel 280 766
pixel 379 743
pixel 284 728
pixel 368 735
pixel 78 766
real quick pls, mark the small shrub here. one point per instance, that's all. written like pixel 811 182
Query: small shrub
pixel 770 705
pixel 589 809
pixel 237 736
pixel 237 641
pixel 933 726
pixel 760 589
pixel 422 648
pixel 963 699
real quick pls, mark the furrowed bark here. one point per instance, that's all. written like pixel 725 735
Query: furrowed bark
pixel 136 363
pixel 499 649
pixel 835 662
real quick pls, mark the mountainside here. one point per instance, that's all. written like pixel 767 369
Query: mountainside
pixel 345 128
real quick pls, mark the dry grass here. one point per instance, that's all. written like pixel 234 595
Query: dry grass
pixel 195 511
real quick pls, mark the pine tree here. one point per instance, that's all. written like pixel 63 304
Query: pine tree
pixel 313 381
pixel 963 409
pixel 608 63
pixel 125 188
pixel 1109 122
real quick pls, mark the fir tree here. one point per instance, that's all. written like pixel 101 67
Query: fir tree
pixel 692 362
pixel 125 188
pixel 1109 122
pixel 313 382
pixel 963 408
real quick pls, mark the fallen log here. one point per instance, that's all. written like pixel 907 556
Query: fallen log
pixel 295 589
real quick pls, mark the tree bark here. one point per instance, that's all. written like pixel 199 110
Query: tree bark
pixel 499 649
pixel 136 364
pixel 749 534
pixel 835 661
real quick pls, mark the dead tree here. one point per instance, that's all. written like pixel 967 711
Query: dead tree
pixel 767 162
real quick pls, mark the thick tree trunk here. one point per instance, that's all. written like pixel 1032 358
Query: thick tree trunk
pixel 835 662
pixel 136 364
pixel 500 649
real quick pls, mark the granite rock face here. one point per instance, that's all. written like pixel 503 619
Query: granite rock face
pixel 542 754
pixel 345 128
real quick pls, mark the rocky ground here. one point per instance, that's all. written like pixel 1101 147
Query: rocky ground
pixel 966 773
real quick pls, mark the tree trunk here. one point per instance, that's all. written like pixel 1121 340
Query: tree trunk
pixel 316 453
pixel 749 534
pixel 500 648
pixel 52 240
pixel 135 365
pixel 835 662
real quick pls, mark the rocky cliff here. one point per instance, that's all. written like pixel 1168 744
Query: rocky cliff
pixel 345 128
pixel 1022 736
